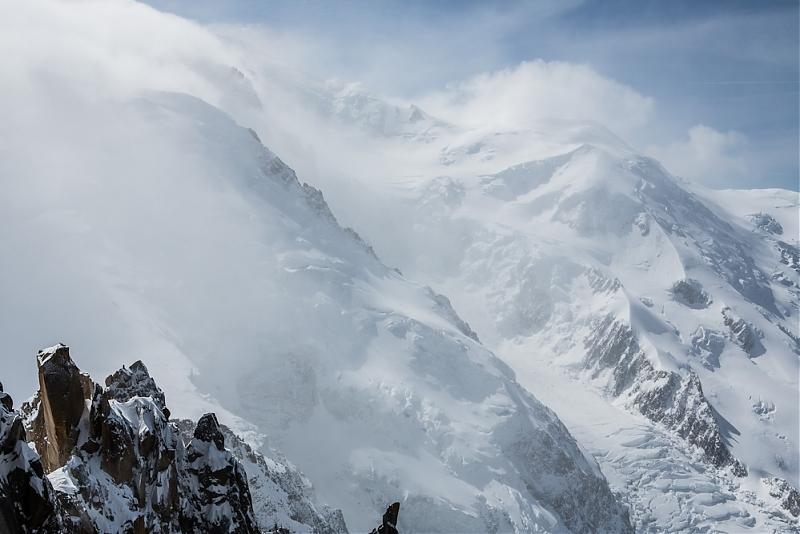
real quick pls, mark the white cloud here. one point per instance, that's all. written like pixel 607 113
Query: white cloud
pixel 706 156
pixel 106 48
pixel 535 90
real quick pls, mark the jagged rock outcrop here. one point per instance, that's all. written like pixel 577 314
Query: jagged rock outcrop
pixel 120 464
pixel 689 292
pixel 787 496
pixel 219 500
pixel 282 496
pixel 63 392
pixel 766 223
pixel 707 345
pixel 139 455
pixel 662 396
pixel 789 255
pixel 27 501
pixel 743 333
pixel 389 521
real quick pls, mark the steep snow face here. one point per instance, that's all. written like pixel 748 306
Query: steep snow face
pixel 679 306
pixel 182 234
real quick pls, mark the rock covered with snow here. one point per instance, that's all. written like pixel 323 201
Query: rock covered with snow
pixel 419 410
pixel 218 499
pixel 690 293
pixel 662 396
pixel 283 498
pixel 125 467
pixel 743 333
pixel 787 496
pixel 766 223
pixel 27 500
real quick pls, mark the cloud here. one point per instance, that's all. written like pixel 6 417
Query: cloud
pixel 114 48
pixel 706 156
pixel 535 90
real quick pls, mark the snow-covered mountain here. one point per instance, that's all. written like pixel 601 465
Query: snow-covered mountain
pixel 154 224
pixel 597 275
pixel 143 218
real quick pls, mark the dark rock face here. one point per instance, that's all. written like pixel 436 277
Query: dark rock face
pixel 208 430
pixel 743 333
pixel 389 521
pixel 219 499
pixel 787 496
pixel 281 494
pixel 690 293
pixel 664 397
pixel 63 392
pixel 27 500
pixel 125 465
pixel 134 382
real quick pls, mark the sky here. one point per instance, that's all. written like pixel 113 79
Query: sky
pixel 722 76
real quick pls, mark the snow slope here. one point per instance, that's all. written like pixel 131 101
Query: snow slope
pixel 676 304
pixel 150 222
pixel 137 214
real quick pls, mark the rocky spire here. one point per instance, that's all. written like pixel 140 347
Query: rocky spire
pixel 389 521
pixel 63 392
pixel 124 464
pixel 218 499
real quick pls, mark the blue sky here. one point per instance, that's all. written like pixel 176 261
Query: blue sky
pixel 729 66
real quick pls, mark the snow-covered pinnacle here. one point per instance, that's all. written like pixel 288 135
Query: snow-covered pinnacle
pixel 219 498
pixel 134 381
pixel 207 430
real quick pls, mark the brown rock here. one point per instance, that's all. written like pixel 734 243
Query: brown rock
pixel 62 390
